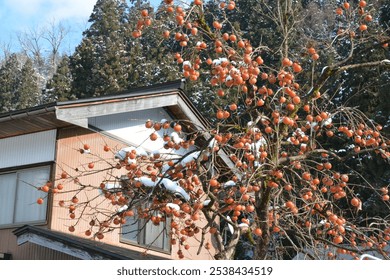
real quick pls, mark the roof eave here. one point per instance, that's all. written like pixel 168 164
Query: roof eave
pixel 78 247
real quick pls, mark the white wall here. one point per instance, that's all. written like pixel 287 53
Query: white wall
pixel 28 149
pixel 130 127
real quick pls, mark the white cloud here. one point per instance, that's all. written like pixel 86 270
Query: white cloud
pixel 23 15
pixel 23 7
pixel 51 9
pixel 70 9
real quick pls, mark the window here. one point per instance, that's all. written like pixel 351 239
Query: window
pixel 18 196
pixel 146 234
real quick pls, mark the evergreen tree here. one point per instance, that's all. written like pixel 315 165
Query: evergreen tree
pixel 18 85
pixel 59 87
pixel 28 93
pixel 98 64
pixel 148 59
pixel 9 82
pixel 82 63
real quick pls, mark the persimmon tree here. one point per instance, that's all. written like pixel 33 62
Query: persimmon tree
pixel 287 183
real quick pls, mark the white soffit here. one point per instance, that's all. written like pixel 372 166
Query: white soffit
pixel 130 128
pixel 80 113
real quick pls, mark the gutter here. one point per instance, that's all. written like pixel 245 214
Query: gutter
pixel 28 112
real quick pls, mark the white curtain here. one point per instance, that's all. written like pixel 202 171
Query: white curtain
pixel 27 209
pixel 19 194
pixel 155 235
pixel 7 197
pixel 130 229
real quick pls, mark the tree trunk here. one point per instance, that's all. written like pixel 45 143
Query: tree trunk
pixel 228 251
pixel 262 210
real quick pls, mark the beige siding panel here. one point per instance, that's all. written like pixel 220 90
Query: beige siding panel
pixel 69 158
pixel 28 149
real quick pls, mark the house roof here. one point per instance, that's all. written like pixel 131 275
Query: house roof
pixel 82 248
pixel 169 95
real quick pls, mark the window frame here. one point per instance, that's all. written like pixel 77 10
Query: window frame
pixel 20 169
pixel 141 235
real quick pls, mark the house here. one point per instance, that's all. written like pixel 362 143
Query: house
pixel 38 145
